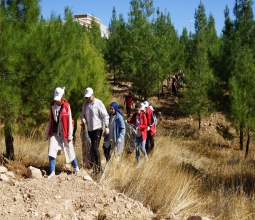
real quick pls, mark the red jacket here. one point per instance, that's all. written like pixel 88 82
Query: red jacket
pixel 64 114
pixel 143 124
pixel 151 123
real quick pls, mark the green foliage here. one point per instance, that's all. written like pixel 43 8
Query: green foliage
pixel 116 45
pixel 37 56
pixel 200 79
pixel 242 89
pixel 144 51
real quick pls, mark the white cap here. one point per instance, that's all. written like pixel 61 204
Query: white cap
pixel 59 92
pixel 146 104
pixel 151 108
pixel 88 92
pixel 142 106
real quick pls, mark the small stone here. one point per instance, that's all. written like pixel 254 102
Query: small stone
pixel 3 169
pixel 10 174
pixel 87 177
pixel 128 205
pixel 3 177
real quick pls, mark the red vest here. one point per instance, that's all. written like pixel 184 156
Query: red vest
pixel 143 124
pixel 64 114
pixel 149 115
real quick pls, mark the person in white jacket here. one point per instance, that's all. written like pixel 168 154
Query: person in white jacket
pixel 60 131
pixel 95 115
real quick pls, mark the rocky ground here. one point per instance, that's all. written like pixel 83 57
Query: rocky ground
pixel 65 196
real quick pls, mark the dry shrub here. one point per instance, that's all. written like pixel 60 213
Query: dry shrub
pixel 159 182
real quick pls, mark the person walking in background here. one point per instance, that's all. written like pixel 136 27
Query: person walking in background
pixel 94 114
pixel 117 130
pixel 174 85
pixel 151 129
pixel 60 131
pixel 139 120
pixel 128 102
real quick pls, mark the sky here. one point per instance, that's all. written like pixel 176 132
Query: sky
pixel 181 11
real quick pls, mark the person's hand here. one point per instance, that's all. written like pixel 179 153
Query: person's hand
pixel 106 130
pixel 148 128
pixel 126 121
pixel 119 141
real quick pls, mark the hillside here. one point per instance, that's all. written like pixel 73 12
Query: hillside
pixel 79 197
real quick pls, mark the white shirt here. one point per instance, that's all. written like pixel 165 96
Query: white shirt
pixel 94 113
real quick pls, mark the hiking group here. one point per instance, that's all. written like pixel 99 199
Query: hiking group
pixel 95 122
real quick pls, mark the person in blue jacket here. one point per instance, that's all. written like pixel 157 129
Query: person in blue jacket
pixel 117 130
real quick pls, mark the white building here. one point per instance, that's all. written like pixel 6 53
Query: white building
pixel 85 19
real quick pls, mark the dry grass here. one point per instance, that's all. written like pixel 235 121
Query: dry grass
pixel 182 176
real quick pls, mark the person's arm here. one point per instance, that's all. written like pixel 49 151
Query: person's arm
pixel 132 120
pixel 83 119
pixel 103 114
pixel 152 119
pixel 122 127
pixel 70 127
pixel 48 126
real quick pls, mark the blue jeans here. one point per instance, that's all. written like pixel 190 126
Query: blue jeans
pixel 139 142
pixel 53 162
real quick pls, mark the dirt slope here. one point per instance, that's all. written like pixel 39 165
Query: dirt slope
pixel 65 196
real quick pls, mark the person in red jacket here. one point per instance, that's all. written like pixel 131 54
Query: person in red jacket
pixel 151 128
pixel 139 121
pixel 60 131
pixel 128 102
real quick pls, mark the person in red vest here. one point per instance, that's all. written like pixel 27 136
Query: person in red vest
pixel 151 127
pixel 139 121
pixel 60 131
pixel 128 102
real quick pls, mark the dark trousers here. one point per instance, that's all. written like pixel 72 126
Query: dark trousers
pixel 128 111
pixel 174 90
pixel 149 142
pixel 95 137
pixel 107 152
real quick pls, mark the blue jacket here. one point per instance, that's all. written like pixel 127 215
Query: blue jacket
pixel 119 129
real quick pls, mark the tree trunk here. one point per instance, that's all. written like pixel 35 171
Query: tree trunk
pixel 9 142
pixel 247 145
pixel 241 136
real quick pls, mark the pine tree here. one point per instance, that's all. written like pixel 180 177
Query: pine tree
pixel 166 47
pixel 138 55
pixel 115 45
pixel 242 92
pixel 242 39
pixel 200 79
pixel 16 20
